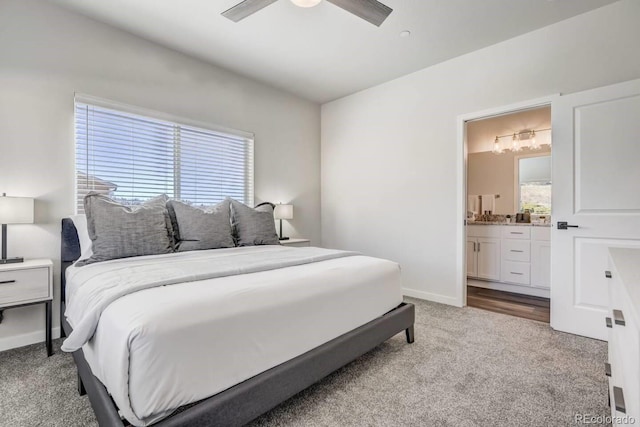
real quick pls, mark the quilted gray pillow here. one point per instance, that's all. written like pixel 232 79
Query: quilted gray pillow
pixel 201 228
pixel 120 231
pixel 253 226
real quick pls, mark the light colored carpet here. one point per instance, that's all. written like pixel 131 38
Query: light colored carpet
pixel 468 367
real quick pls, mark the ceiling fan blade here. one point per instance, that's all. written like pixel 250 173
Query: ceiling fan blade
pixel 246 8
pixel 369 10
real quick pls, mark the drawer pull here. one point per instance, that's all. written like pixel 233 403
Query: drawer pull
pixel 618 317
pixel 513 250
pixel 607 274
pixel 618 397
pixel 7 281
pixel 608 321
pixel 516 232
pixel 607 369
pixel 517 274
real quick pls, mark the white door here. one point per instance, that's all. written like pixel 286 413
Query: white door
pixel 488 250
pixel 596 186
pixel 472 259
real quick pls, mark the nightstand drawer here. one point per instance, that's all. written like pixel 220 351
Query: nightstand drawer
pixel 18 286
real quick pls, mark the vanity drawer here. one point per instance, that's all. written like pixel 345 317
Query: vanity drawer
pixel 18 286
pixel 483 230
pixel 541 233
pixel 516 232
pixel 516 272
pixel 516 250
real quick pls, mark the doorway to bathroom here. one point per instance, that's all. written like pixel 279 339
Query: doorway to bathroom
pixel 508 212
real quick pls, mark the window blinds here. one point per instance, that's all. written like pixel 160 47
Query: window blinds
pixel 132 158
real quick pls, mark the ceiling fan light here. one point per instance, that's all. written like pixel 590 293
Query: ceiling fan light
pixel 305 3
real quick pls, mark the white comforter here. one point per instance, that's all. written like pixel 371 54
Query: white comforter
pixel 160 347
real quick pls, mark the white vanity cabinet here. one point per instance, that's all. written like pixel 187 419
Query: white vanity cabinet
pixel 513 258
pixel 483 252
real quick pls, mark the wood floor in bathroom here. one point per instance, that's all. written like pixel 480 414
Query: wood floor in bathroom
pixel 526 306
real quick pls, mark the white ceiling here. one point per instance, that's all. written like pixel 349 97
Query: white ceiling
pixel 323 53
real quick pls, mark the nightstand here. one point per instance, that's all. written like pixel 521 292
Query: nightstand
pixel 298 243
pixel 27 283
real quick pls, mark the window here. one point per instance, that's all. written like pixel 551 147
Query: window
pixel 133 157
pixel 534 184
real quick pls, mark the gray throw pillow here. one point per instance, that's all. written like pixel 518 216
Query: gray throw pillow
pixel 120 231
pixel 253 226
pixel 201 227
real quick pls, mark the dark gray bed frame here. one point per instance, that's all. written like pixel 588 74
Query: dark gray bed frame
pixel 246 401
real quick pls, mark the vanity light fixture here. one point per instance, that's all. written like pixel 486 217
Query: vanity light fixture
pixel 497 149
pixel 526 138
pixel 533 142
pixel 515 143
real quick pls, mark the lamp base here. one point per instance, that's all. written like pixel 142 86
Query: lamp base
pixel 11 260
pixel 283 238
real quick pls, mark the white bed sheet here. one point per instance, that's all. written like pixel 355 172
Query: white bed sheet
pixel 158 349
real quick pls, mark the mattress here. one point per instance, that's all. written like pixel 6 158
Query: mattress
pixel 163 347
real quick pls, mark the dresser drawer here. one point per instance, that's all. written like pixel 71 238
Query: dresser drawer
pixel 516 250
pixel 516 272
pixel 18 286
pixel 516 232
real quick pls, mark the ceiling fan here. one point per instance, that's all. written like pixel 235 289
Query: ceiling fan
pixel 370 10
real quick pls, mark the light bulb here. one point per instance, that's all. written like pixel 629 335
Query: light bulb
pixel 533 144
pixel 305 3
pixel 496 146
pixel 515 144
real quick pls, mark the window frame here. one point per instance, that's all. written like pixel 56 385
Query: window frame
pixel 80 98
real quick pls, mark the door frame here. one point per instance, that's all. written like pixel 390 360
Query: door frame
pixel 461 176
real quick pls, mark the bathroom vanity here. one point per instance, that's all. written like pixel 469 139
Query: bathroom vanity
pixel 514 257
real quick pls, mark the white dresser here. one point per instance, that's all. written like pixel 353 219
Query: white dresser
pixel 623 319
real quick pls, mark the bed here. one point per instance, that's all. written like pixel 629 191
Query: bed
pixel 267 357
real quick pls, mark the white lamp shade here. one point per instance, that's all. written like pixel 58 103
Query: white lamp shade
pixel 16 210
pixel 283 212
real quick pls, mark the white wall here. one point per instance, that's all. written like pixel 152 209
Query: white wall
pixel 389 153
pixel 48 53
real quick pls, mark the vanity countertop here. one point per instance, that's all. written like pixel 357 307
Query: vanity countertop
pixel 509 224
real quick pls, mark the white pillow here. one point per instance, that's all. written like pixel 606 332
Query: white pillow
pixel 80 221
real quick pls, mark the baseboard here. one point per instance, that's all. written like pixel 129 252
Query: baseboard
pixel 506 287
pixel 26 339
pixel 442 299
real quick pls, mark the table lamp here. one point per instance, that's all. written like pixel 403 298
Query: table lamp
pixel 14 210
pixel 283 212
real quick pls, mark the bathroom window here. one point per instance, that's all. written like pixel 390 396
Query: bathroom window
pixel 534 184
